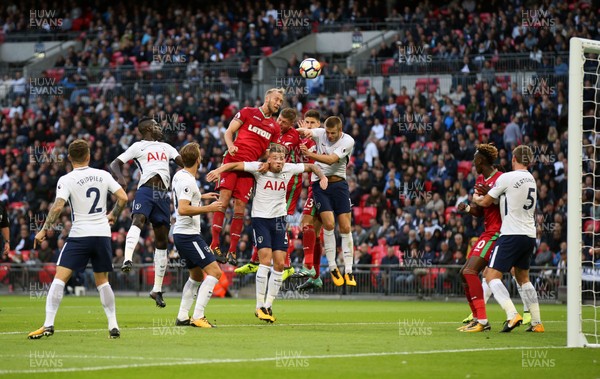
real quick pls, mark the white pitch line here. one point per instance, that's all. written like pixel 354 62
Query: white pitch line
pixel 270 359
pixel 409 321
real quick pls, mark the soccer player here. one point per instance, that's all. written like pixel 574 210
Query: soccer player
pixel 190 245
pixel 311 223
pixel 151 202
pixel 268 220
pixel 334 149
pixel 86 190
pixel 290 139
pixel 484 159
pixel 256 129
pixel 516 192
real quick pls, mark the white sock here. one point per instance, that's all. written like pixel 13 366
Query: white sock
pixel 520 290
pixel 187 298
pixel 107 298
pixel 348 250
pixel 530 298
pixel 204 293
pixel 503 298
pixel 329 247
pixel 55 295
pixel 274 286
pixel 487 291
pixel 261 285
pixel 133 237
pixel 160 268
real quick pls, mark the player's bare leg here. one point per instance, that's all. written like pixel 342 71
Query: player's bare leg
pixel 217 225
pixel 161 235
pixel 132 239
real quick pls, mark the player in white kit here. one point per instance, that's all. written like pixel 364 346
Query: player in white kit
pixel 268 219
pixel 152 201
pixel 86 190
pixel 191 247
pixel 334 149
pixel 516 192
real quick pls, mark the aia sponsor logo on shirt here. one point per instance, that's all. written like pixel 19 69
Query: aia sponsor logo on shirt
pixel 275 185
pixel 157 156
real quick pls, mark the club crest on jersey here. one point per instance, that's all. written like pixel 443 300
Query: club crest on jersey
pixel 275 186
pixel 259 239
pixel 137 206
pixel 259 131
pixel 157 156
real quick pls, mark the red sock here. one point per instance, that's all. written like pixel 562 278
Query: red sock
pixel 216 228
pixel 235 230
pixel 308 240
pixel 476 295
pixel 254 258
pixel 468 296
pixel 317 259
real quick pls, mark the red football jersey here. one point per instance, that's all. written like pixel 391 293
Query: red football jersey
pixel 291 140
pixel 492 220
pixel 254 136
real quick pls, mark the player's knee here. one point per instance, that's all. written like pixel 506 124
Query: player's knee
pixel 139 220
pixel 345 229
pixel 278 266
pixel 238 214
pixel 215 271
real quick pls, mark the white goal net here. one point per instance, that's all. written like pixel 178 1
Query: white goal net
pixel 583 230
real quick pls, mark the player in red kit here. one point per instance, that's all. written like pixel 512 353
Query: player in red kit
pixel 478 258
pixel 256 130
pixel 291 140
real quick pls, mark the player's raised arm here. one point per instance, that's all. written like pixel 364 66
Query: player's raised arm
pixel 115 167
pixel 234 166
pixel 233 127
pixel 323 182
pixel 303 131
pixel 186 208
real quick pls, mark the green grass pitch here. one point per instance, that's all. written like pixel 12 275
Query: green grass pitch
pixel 311 338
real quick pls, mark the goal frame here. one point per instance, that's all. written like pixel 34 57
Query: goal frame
pixel 578 46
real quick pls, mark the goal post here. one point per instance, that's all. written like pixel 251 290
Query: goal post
pixel 577 336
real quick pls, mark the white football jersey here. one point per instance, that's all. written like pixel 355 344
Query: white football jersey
pixel 186 188
pixel 342 148
pixel 517 194
pixel 151 157
pixel 86 189
pixel 270 189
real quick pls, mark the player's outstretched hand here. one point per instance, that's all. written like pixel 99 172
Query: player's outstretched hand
pixel 39 237
pixel 461 207
pixel 303 149
pixel 210 196
pixel 302 124
pixel 263 168
pixel 233 150
pixel 482 189
pixel 212 176
pixel 303 132
pixel 215 206
pixel 323 183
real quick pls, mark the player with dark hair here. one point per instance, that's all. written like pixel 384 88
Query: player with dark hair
pixel 516 192
pixel 86 190
pixel 268 220
pixel 152 202
pixel 483 160
pixel 255 129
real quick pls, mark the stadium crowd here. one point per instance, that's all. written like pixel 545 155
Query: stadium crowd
pixel 412 162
